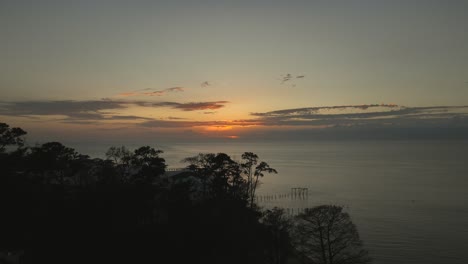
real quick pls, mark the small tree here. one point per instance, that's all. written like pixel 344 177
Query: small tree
pixel 259 170
pixel 119 155
pixel 253 172
pixel 201 166
pixel 120 158
pixel 326 235
pixel 150 165
pixel 249 160
pixel 10 136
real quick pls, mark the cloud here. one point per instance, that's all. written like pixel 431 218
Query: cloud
pixel 201 106
pixel 365 115
pixel 175 118
pixel 363 118
pixel 187 124
pixel 94 110
pixel 72 110
pixel 290 78
pixel 205 84
pixel 76 109
pixel 364 122
pixel 307 111
pixel 286 78
pixel 151 92
pixel 191 106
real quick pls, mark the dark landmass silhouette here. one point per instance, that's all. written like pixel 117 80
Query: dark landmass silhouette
pixel 59 206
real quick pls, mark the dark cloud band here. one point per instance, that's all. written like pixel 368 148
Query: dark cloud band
pixel 95 109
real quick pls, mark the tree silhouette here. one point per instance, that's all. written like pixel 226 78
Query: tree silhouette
pixel 222 175
pixel 201 166
pixel 148 163
pixel 249 160
pixel 278 226
pixel 253 172
pixel 259 170
pixel 219 174
pixel 326 235
pixel 120 158
pixel 10 136
pixel 119 155
pixel 54 162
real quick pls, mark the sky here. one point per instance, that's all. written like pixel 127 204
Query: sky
pixel 233 69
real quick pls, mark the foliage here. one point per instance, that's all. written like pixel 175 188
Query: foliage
pixel 150 165
pixel 10 136
pixel 119 155
pixel 326 235
pixel 222 175
pixel 54 162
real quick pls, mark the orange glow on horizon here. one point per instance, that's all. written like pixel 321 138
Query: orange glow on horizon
pixel 218 128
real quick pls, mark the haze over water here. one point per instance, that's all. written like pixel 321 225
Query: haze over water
pixel 407 197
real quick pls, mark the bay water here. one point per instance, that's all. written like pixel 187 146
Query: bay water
pixel 408 198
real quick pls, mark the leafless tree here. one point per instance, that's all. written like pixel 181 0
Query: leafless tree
pixel 326 235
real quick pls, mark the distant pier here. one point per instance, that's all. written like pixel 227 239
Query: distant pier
pixel 294 202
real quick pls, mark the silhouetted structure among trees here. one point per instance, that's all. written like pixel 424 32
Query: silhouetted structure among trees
pixel 59 206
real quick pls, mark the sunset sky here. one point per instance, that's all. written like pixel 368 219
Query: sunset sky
pixel 231 69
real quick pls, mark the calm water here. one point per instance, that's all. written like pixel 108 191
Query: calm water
pixel 409 199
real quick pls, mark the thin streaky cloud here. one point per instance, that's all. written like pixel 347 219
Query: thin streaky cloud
pixel 368 115
pixel 286 78
pixel 289 78
pixel 175 118
pixel 308 110
pixel 151 92
pixel 94 109
pixel 205 84
pixel 191 106
pixel 201 105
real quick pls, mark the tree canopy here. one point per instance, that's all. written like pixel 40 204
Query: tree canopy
pixel 10 136
pixel 326 235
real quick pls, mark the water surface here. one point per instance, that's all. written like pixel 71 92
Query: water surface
pixel 407 198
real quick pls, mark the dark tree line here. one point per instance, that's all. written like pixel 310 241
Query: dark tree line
pixel 59 206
